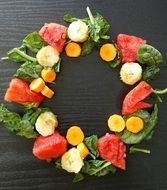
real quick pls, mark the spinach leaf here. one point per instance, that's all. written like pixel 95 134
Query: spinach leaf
pixel 78 177
pixel 69 18
pixel 58 163
pixel 97 167
pixel 150 73
pixel 157 92
pixel 155 97
pixel 10 119
pixel 29 71
pixel 22 126
pixel 133 149
pixel 19 55
pixel 98 26
pixel 56 66
pixel 149 55
pixel 131 138
pixel 91 143
pixel 30 106
pixel 26 129
pixel 150 135
pixel 87 47
pixel 33 42
pixel 145 115
pixel 117 59
pixel 160 91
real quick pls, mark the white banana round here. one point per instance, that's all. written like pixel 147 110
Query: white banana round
pixel 47 56
pixel 71 161
pixel 78 31
pixel 131 73
pixel 46 123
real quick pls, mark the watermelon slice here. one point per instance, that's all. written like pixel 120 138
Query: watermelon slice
pixel 128 46
pixel 133 100
pixel 49 147
pixel 54 34
pixel 20 93
pixel 112 149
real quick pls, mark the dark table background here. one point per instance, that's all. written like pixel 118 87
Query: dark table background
pixel 87 92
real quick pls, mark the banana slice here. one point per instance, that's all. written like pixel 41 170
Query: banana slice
pixel 78 31
pixel 47 56
pixel 71 161
pixel 46 123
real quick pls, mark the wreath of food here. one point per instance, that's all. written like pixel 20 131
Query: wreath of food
pixel 40 62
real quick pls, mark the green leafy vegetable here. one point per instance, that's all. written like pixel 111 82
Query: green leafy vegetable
pixel 30 106
pixel 29 71
pixel 58 163
pixel 97 167
pixel 117 59
pixel 91 143
pixel 87 47
pixel 34 42
pixel 149 55
pixel 145 115
pixel 157 92
pixel 22 126
pixel 155 97
pixel 160 91
pixel 78 177
pixel 69 18
pixel 131 138
pixel 133 149
pixel 150 136
pixel 150 73
pixel 19 55
pixel 98 27
pixel 150 58
pixel 56 66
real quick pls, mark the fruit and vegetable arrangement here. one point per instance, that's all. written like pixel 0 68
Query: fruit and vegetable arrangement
pixel 39 58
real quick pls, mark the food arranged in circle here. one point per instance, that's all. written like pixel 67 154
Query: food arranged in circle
pixel 40 61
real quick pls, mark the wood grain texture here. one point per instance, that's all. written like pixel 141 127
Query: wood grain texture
pixel 87 92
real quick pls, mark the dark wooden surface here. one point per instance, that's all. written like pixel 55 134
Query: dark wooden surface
pixel 87 92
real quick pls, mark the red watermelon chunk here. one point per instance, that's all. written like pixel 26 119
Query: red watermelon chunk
pixel 19 92
pixel 128 46
pixel 49 147
pixel 54 34
pixel 112 149
pixel 133 100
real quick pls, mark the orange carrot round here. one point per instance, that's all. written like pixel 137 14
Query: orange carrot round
pixel 48 74
pixel 37 85
pixel 73 49
pixel 134 124
pixel 47 92
pixel 116 123
pixel 75 135
pixel 108 52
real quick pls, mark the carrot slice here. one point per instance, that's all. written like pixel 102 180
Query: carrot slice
pixel 83 150
pixel 134 124
pixel 108 52
pixel 116 123
pixel 37 85
pixel 48 74
pixel 73 49
pixel 47 92
pixel 75 135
